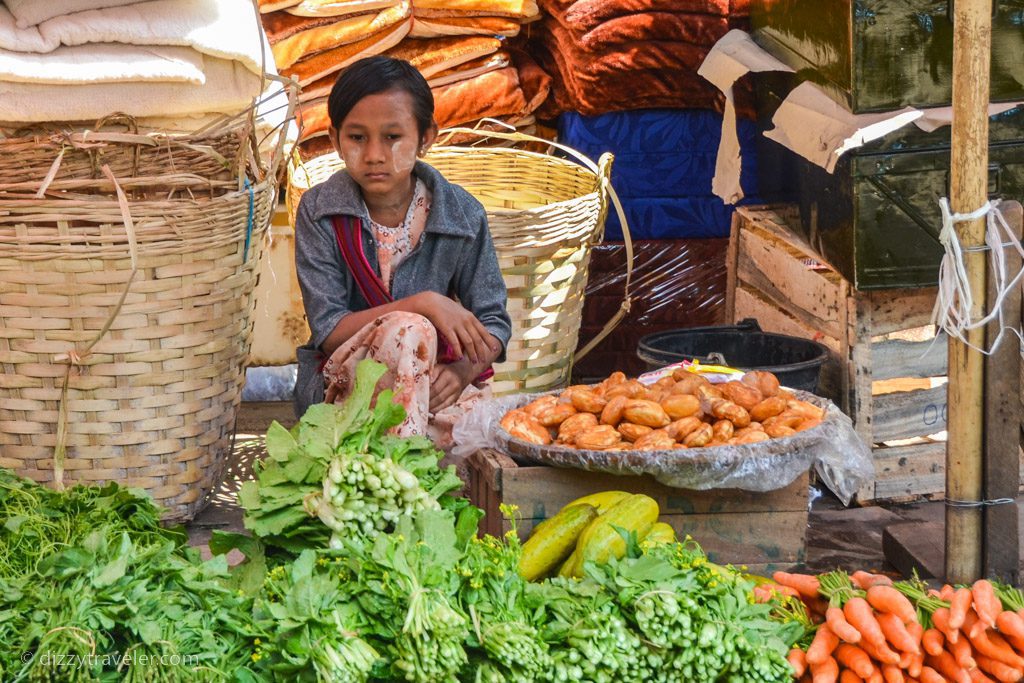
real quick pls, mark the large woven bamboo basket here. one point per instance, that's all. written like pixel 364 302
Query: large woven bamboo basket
pixel 545 213
pixel 126 319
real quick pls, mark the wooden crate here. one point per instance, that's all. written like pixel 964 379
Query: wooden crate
pixel 886 370
pixel 763 531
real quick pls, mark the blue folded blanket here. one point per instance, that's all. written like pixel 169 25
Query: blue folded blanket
pixel 664 165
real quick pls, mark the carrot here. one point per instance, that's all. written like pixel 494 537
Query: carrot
pixel 826 672
pixel 806 585
pixel 990 644
pixel 848 676
pixel 876 677
pixel 978 677
pixel 1010 624
pixel 932 641
pixel 896 633
pixel 963 654
pixel 929 675
pixel 916 662
pixel 798 660
pixel 940 620
pixel 822 646
pixel 859 615
pixel 986 604
pixel 865 580
pixel 837 622
pixel 892 674
pixel 1002 672
pixel 947 666
pixel 888 599
pixel 958 606
pixel 881 653
pixel 946 593
pixel 855 659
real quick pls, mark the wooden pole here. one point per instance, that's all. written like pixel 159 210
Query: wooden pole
pixel 972 46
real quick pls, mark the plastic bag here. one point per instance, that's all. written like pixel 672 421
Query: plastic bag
pixel 269 383
pixel 842 459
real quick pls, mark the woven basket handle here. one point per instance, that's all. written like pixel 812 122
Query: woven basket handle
pixel 603 170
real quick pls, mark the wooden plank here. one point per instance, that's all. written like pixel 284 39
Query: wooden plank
pixel 861 407
pixel 749 304
pixel 1001 545
pixel 542 491
pixel 900 309
pixel 894 358
pixel 915 547
pixel 908 472
pixel 906 414
pixel 736 538
pixel 254 417
pixel 731 267
pixel 781 274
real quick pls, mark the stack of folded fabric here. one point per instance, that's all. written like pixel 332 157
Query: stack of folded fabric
pixel 616 55
pixel 436 18
pixel 456 44
pixel 81 60
pixel 664 164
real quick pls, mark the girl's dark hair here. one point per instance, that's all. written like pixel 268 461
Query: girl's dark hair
pixel 377 74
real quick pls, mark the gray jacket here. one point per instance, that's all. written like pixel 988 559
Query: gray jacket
pixel 455 256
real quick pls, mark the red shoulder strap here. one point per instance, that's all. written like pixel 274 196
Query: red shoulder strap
pixel 348 231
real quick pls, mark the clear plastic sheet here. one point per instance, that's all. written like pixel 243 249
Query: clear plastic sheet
pixel 676 284
pixel 842 459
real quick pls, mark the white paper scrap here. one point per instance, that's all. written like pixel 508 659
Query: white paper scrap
pixel 733 56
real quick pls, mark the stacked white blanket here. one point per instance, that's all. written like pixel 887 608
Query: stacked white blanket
pixel 80 60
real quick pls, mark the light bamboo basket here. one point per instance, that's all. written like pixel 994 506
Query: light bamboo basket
pixel 545 213
pixel 126 313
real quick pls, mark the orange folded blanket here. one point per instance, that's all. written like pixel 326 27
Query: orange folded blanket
pixel 430 57
pixel 585 15
pixel 471 69
pixel 322 64
pixel 628 76
pixel 267 6
pixel 514 9
pixel 295 38
pixel 439 54
pixel 534 81
pixel 425 27
pixel 338 8
pixel 696 29
pixel 492 94
pixel 313 119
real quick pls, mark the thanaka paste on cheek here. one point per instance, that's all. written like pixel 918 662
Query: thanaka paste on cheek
pixel 403 156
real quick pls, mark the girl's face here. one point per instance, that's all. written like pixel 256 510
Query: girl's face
pixel 379 142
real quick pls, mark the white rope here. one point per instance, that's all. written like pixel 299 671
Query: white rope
pixel 955 300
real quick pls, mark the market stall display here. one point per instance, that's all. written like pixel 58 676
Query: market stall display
pixel 681 410
pixel 763 530
pixel 417 599
pixel 866 626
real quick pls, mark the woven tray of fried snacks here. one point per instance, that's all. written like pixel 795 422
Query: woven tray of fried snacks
pixel 685 431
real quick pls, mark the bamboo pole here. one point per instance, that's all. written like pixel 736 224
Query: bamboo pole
pixel 972 46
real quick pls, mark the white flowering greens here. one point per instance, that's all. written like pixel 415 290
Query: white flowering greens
pixel 337 477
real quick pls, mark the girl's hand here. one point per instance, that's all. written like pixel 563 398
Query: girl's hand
pixel 447 383
pixel 460 327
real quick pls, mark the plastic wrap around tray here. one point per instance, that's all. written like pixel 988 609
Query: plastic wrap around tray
pixel 841 458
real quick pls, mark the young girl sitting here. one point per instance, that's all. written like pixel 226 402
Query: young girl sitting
pixel 395 263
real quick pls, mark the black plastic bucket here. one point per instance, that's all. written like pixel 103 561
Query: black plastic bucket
pixel 796 362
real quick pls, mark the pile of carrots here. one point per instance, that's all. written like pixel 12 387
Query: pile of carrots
pixel 868 628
